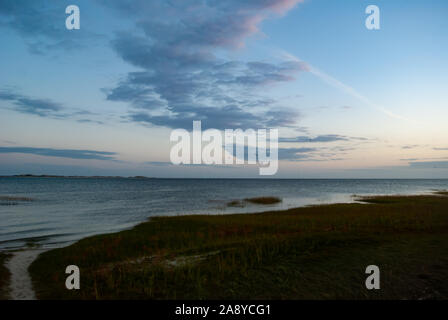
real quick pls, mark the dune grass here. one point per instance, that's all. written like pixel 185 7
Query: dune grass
pixel 4 275
pixel 318 252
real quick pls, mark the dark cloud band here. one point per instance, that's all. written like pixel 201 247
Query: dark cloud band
pixel 61 153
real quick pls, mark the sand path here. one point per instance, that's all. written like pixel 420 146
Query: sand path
pixel 21 287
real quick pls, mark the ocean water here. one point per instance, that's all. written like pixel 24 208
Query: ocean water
pixel 53 212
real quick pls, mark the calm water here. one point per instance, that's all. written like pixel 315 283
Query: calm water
pixel 65 210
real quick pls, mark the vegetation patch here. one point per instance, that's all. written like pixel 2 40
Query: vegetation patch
pixel 316 252
pixel 12 201
pixel 441 192
pixel 4 275
pixel 10 198
pixel 264 200
pixel 236 203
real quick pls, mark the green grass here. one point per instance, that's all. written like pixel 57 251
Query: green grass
pixel 4 275
pixel 318 252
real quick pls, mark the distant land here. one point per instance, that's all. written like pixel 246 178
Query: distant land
pixel 71 177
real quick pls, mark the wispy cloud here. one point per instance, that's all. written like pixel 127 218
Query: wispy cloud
pixel 169 164
pixel 7 142
pixel 319 138
pixel 301 153
pixel 61 153
pixel 43 107
pixel 413 146
pixel 35 106
pixel 344 87
pixel 429 165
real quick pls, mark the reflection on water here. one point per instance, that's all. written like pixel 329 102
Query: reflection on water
pixel 51 212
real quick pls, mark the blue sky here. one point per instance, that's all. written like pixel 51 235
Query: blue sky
pixel 348 102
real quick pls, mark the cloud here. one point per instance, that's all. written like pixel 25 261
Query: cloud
pixel 423 159
pixel 42 24
pixel 321 138
pixel 38 107
pixel 169 164
pixel 43 107
pixel 7 142
pixel 299 154
pixel 182 77
pixel 345 88
pixel 89 121
pixel 285 153
pixel 441 149
pixel 429 165
pixel 61 153
pixel 313 154
pixel 410 146
pixel 35 106
pixel 216 118
pixel 198 23
pixel 294 153
pixel 159 163
pixel 8 96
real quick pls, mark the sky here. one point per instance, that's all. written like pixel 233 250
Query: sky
pixel 348 102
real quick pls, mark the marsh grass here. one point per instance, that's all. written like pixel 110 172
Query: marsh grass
pixel 318 252
pixel 13 201
pixel 11 198
pixel 264 200
pixel 4 275
pixel 235 203
pixel 441 192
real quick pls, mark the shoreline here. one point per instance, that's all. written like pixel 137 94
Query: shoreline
pixel 15 263
pixel 167 247
pixel 225 209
